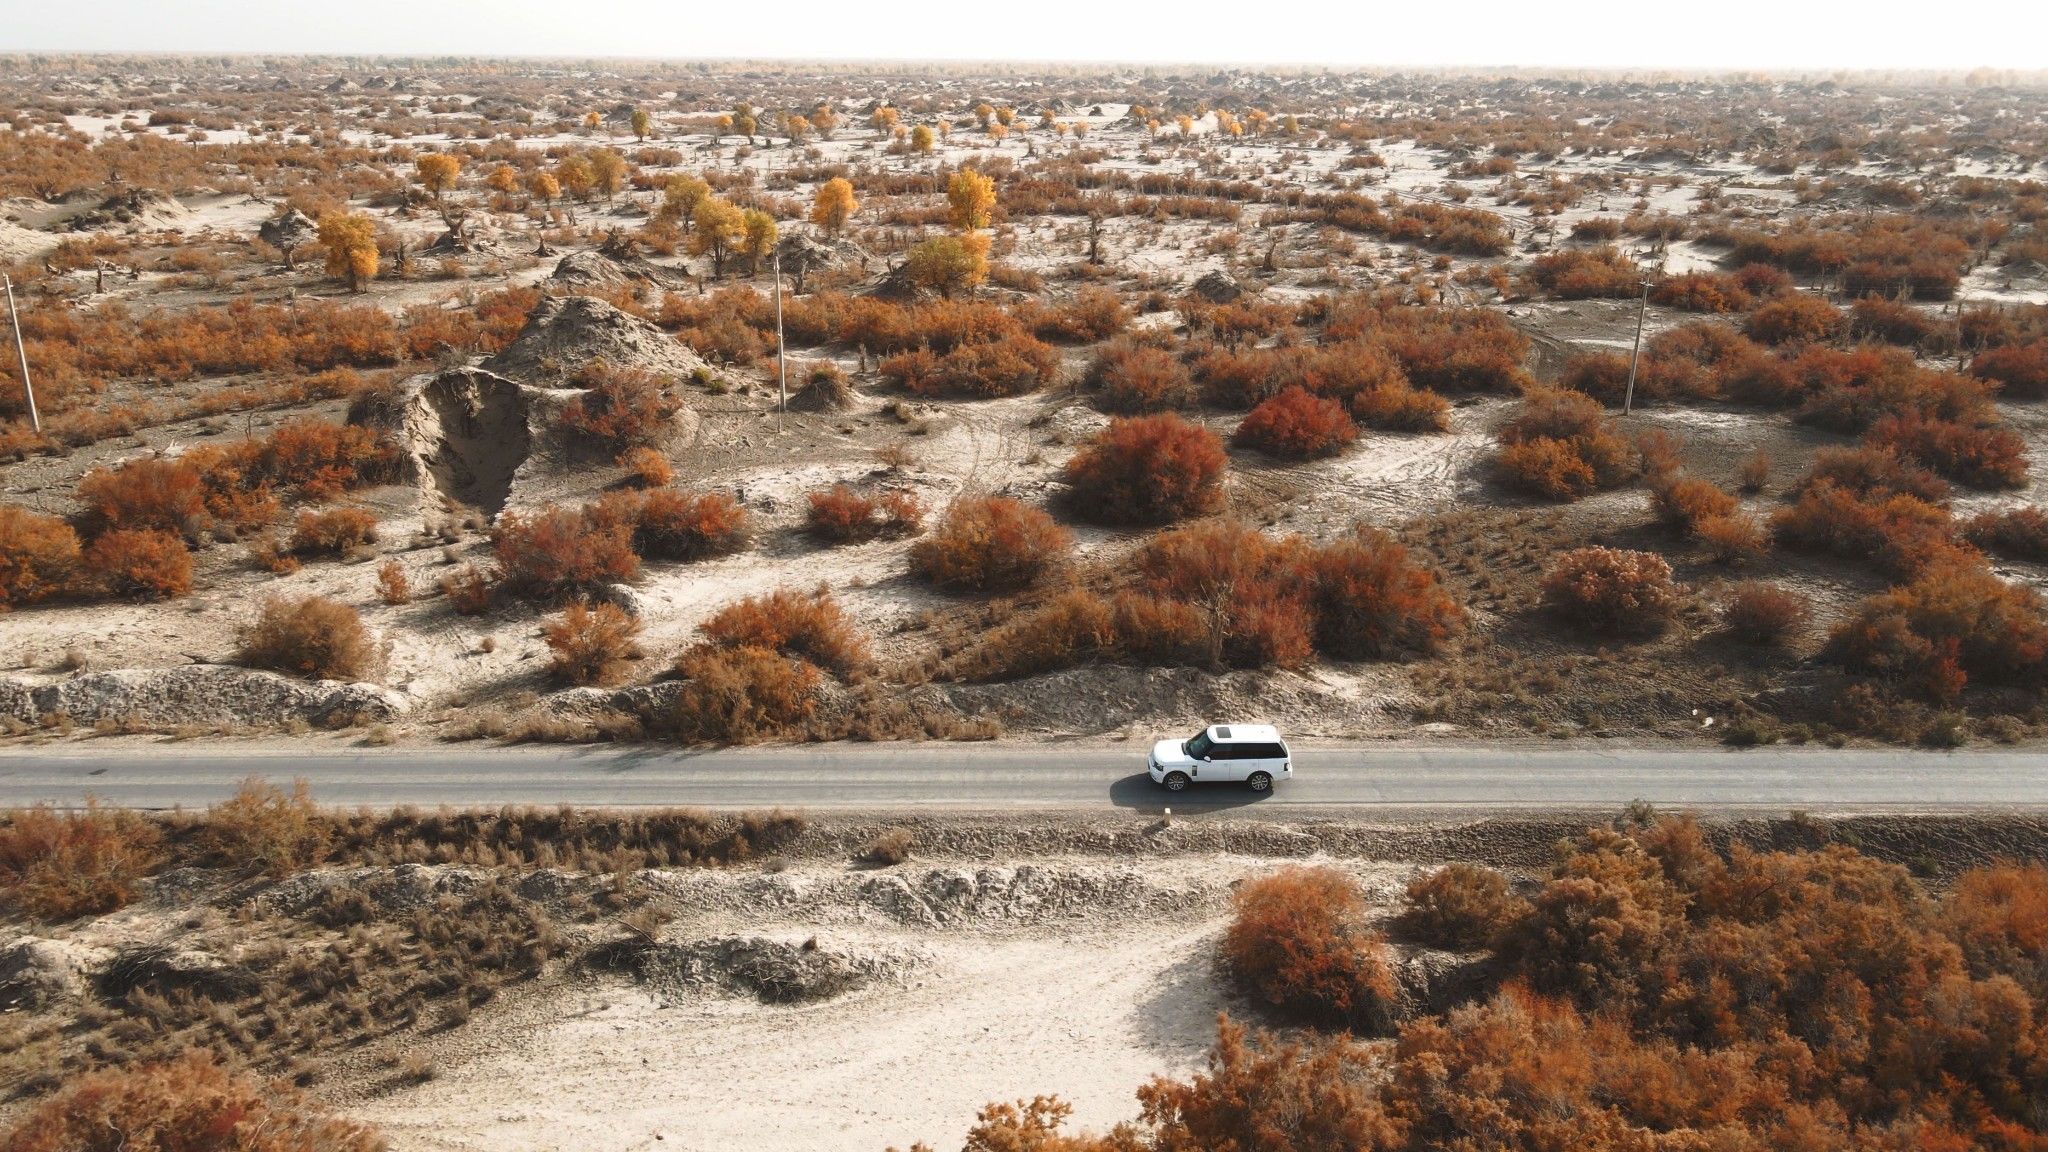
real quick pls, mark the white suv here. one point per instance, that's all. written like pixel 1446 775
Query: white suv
pixel 1252 754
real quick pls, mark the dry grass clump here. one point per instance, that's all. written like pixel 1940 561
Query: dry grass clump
pixel 990 544
pixel 1765 614
pixel 1297 425
pixel 733 695
pixel 1612 590
pixel 188 1104
pixel 39 556
pixel 1298 944
pixel 142 564
pixel 312 636
pixel 334 531
pixel 393 586
pixel 841 515
pixel 1460 906
pixel 1560 446
pixel 1586 273
pixel 266 828
pixel 1148 470
pixel 591 644
pixel 60 865
pixel 890 848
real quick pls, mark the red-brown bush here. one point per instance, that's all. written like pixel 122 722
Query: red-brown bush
pixel 1148 470
pixel 738 694
pixel 1794 316
pixel 990 544
pixel 1702 292
pixel 559 554
pixel 674 525
pixel 1400 408
pixel 1296 425
pixel 841 515
pixel 1298 944
pixel 1373 601
pixel 1979 455
pixel 1586 273
pixel 166 495
pixel 311 636
pixel 2020 369
pixel 1010 366
pixel 1684 501
pixel 1892 321
pixel 619 408
pixel 1133 377
pixel 334 531
pixel 1250 591
pixel 1764 614
pixel 38 556
pixel 1871 470
pixel 84 862
pixel 1953 621
pixel 1612 590
pixel 1561 447
pixel 2020 533
pixel 808 626
pixel 591 644
pixel 1461 906
pixel 1899 534
pixel 1093 314
pixel 140 564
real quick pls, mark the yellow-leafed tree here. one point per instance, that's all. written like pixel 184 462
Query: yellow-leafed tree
pixel 972 197
pixel 350 240
pixel 834 206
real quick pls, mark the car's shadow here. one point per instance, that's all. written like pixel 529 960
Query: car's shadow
pixel 1138 793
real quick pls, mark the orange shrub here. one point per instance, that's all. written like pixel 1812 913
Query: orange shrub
pixel 737 694
pixel 673 525
pixel 840 515
pixel 1732 537
pixel 1954 620
pixel 1586 273
pixel 619 408
pixel 1075 626
pixel 1461 906
pixel 1134 377
pixel 1684 501
pixel 190 1104
pixel 1298 943
pixel 1250 591
pixel 1296 425
pixel 2021 370
pixel 559 554
pixel 140 564
pixel 38 556
pixel 1560 446
pixel 1149 470
pixel 317 459
pixel 1372 601
pixel 1872 470
pixel 1702 292
pixel 1400 408
pixel 334 532
pixel 646 467
pixel 1552 469
pixel 809 627
pixel 591 645
pixel 1612 590
pixel 990 544
pixel 1601 375
pixel 1899 534
pixel 1759 613
pixel 2021 533
pixel 153 492
pixel 1975 454
pixel 392 585
pixel 1794 316
pixel 85 862
pixel 1892 321
pixel 1093 314
pixel 1008 367
pixel 313 637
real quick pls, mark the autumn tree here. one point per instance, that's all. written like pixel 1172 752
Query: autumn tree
pixel 574 175
pixel 824 120
pixel 835 204
pixel 921 139
pixel 759 237
pixel 971 197
pixel 949 264
pixel 717 229
pixel 744 121
pixel 679 200
pixel 984 113
pixel 607 171
pixel 544 187
pixel 350 240
pixel 642 122
pixel 437 172
pixel 503 179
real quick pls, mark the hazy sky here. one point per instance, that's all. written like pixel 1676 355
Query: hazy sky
pixel 1880 34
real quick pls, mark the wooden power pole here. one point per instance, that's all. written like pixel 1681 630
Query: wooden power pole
pixel 781 356
pixel 1628 399
pixel 35 420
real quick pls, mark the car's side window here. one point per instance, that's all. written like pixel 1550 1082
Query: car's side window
pixel 1271 752
pixel 1224 751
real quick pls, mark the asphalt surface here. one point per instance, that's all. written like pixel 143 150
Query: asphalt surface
pixel 1021 777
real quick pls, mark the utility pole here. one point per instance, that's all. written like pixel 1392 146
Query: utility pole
pixel 1628 400
pixel 35 421
pixel 781 355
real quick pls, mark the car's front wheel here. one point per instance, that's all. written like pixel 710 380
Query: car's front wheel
pixel 1260 781
pixel 1175 781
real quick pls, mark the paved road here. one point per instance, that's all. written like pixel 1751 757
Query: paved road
pixel 1015 777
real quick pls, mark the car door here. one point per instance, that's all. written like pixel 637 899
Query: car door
pixel 1229 762
pixel 1269 759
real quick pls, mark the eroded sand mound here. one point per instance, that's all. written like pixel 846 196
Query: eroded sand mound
pixel 772 971
pixel 587 271
pixel 138 209
pixel 204 694
pixel 469 432
pixel 563 333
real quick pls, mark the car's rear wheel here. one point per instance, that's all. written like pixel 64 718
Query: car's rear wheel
pixel 1260 781
pixel 1175 781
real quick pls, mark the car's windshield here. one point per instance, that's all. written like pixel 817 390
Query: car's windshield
pixel 1199 746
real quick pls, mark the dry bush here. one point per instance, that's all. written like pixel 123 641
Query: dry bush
pixel 1298 944
pixel 266 828
pixel 743 693
pixel 990 544
pixel 1561 446
pixel 2019 533
pixel 1892 321
pixel 1251 592
pixel 1148 470
pixel 1373 601
pixel 1009 366
pixel 840 515
pixel 165 495
pixel 1400 408
pixel 1093 314
pixel 1795 316
pixel 1297 425
pixel 559 554
pixel 1601 375
pixel 1953 622
pixel 1586 273
pixel 1611 590
pixel 675 525
pixel 1754 473
pixel 334 532
pixel 619 408
pixel 392 585
pixel 1874 470
pixel 140 564
pixel 190 1104
pixel 1134 377
pixel 1075 626
pixel 646 467
pixel 591 644
pixel 1899 534
pixel 809 626
pixel 1460 906
pixel 890 848
pixel 1974 454
pixel 1683 502
pixel 1765 614
pixel 1702 292
pixel 39 556
pixel 1732 538
pixel 85 862
pixel 2021 370
pixel 469 590
pixel 311 636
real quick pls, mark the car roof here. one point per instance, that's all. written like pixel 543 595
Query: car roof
pixel 1244 733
